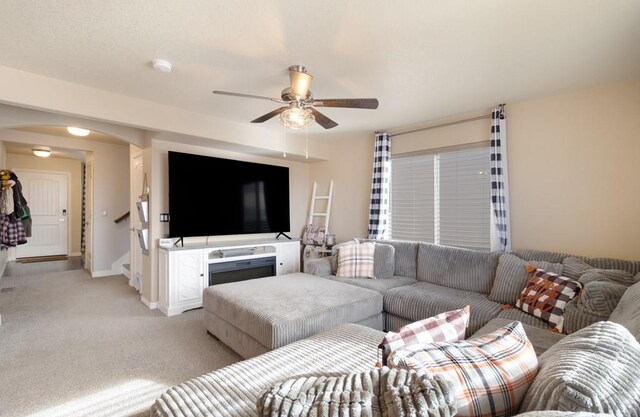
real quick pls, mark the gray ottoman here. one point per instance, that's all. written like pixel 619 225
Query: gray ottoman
pixel 259 315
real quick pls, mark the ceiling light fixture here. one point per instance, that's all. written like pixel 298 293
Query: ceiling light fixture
pixel 296 117
pixel 78 131
pixel 41 151
pixel 161 65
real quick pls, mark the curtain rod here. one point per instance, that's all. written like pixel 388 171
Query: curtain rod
pixel 456 122
pixel 471 119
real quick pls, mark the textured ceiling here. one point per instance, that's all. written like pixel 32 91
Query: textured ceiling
pixel 423 59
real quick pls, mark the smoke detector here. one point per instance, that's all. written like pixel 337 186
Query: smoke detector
pixel 161 65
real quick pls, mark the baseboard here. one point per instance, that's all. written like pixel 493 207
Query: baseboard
pixel 148 303
pixel 105 273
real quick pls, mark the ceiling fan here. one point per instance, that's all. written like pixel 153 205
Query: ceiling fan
pixel 299 110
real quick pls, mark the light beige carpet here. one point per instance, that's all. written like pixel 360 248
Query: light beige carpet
pixel 72 345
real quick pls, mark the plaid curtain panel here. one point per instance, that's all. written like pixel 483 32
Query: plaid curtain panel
pixel 445 327
pixel 501 229
pixel 492 372
pixel 546 296
pixel 380 184
pixel 356 260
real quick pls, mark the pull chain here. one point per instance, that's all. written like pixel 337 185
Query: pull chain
pixel 284 143
pixel 306 143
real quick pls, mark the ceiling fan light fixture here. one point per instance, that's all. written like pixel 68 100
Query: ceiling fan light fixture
pixel 41 151
pixel 78 131
pixel 296 118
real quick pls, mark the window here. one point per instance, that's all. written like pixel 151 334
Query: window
pixel 442 198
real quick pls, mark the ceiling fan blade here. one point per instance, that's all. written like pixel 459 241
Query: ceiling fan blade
pixel 321 119
pixel 226 93
pixel 300 81
pixel 269 115
pixel 354 103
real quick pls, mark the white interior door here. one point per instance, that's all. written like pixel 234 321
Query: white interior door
pixel 136 250
pixel 88 216
pixel 47 197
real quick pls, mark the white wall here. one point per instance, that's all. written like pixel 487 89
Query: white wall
pixel 111 185
pixel 156 166
pixel 349 166
pixel 573 161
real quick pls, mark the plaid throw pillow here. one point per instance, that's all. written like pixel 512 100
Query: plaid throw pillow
pixel 546 296
pixel 356 260
pixel 492 372
pixel 445 327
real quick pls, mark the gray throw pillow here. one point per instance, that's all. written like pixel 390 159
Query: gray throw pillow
pixel 574 267
pixel 512 276
pixel 601 297
pixel 607 275
pixel 596 369
pixel 627 312
pixel 384 263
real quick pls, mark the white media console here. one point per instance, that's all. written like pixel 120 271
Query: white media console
pixel 184 272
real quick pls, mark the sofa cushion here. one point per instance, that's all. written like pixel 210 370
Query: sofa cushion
pixel 612 276
pixel 406 255
pixel 422 300
pixel 512 277
pixel 356 261
pixel 444 327
pixel 543 255
pixel 603 263
pixel 577 317
pixel 459 268
pixel 380 285
pixel 541 339
pixel 596 369
pixel 493 370
pixel 627 311
pixel 526 318
pixel 574 266
pixel 546 296
pixel 234 390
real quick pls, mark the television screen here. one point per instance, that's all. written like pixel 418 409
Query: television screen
pixel 211 196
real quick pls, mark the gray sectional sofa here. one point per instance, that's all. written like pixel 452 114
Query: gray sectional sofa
pixel 596 369
pixel 420 280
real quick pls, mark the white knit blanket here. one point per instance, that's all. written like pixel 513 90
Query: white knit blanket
pixel 381 392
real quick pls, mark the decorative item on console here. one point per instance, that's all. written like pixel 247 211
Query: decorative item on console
pixel 330 240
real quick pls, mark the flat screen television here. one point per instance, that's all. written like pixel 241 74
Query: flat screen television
pixel 211 196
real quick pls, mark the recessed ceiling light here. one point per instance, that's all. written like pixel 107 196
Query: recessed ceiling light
pixel 161 65
pixel 78 131
pixel 41 151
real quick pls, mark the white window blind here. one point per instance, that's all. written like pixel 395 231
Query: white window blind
pixel 442 198
pixel 412 197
